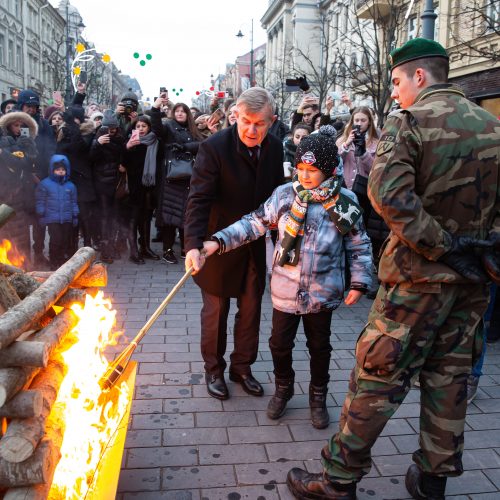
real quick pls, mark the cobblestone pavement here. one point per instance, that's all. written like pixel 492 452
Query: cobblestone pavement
pixel 183 444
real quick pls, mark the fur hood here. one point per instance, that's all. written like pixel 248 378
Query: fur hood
pixel 87 127
pixel 15 116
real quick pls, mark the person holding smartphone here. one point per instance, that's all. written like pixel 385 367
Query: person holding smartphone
pixel 181 138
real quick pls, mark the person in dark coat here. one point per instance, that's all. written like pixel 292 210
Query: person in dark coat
pixel 73 139
pixel 180 135
pixel 141 159
pixel 29 102
pixel 57 207
pixel 235 171
pixel 106 155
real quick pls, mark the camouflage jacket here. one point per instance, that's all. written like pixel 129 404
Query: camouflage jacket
pixel 435 173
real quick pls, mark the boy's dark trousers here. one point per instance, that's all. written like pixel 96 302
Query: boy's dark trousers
pixel 281 343
pixel 61 237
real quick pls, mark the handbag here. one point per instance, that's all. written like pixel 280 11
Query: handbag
pixel 360 185
pixel 180 166
pixel 122 190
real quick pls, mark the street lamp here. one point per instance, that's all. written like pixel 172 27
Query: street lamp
pixel 428 20
pixel 79 27
pixel 240 35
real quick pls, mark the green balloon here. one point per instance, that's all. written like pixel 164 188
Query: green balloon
pixel 136 55
pixel 181 90
pixel 143 63
pixel 148 57
pixel 173 90
pixel 177 93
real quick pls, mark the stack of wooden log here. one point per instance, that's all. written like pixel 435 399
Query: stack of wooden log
pixel 31 369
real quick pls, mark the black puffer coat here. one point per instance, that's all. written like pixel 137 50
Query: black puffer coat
pixel 172 196
pixel 106 158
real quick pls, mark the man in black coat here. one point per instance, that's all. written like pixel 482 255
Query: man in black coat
pixel 235 171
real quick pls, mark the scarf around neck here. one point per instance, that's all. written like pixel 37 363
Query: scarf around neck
pixel 149 172
pixel 342 210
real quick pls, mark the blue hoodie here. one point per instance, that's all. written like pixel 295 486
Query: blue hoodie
pixel 56 196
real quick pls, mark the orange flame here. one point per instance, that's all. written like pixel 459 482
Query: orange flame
pixel 9 254
pixel 90 418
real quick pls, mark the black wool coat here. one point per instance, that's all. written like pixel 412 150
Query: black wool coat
pixel 225 186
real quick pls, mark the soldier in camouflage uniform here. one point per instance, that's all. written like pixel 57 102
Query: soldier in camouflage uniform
pixel 435 182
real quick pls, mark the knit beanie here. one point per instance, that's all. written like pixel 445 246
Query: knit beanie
pixel 319 150
pixel 109 119
pixel 49 110
pixel 96 114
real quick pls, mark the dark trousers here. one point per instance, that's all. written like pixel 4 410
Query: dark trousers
pixel 281 343
pixel 168 234
pixel 61 237
pixel 214 315
pixel 38 236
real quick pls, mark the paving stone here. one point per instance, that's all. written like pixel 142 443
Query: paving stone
pixel 195 436
pixel 290 451
pixel 201 476
pixel 471 482
pixel 265 492
pixel 259 435
pixel 143 438
pixel 162 392
pixel 226 419
pixel 139 480
pixel 147 406
pixel 265 473
pixel 164 495
pixel 231 454
pixel 484 421
pixel 163 421
pixel 396 426
pixel 191 405
pixel 165 456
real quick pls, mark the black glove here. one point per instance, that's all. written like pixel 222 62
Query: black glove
pixel 359 144
pixel 462 258
pixel 175 146
pixel 491 260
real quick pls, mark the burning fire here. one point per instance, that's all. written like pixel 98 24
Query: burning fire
pixel 9 254
pixel 90 416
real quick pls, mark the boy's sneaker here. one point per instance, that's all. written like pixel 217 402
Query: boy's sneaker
pixel 170 257
pixel 472 383
pixel 183 254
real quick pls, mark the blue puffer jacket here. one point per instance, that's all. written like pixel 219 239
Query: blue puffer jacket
pixel 317 282
pixel 56 196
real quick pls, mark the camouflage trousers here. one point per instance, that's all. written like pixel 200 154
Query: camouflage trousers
pixel 428 332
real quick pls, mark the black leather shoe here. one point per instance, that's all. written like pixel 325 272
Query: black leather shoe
pixel 423 486
pixel 216 386
pixel 303 484
pixel 248 383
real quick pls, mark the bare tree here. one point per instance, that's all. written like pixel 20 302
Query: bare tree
pixel 476 26
pixel 56 63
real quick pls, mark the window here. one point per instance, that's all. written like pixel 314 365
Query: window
pixel 2 49
pixel 436 22
pixel 11 54
pixel 335 26
pixel 492 10
pixel 19 59
pixel 412 27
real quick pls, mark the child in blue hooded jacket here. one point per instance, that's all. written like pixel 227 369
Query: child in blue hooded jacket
pixel 56 207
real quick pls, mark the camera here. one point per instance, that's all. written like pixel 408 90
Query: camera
pixel 296 84
pixel 357 130
pixel 129 105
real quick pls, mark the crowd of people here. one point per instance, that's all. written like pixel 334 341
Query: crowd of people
pixel 346 205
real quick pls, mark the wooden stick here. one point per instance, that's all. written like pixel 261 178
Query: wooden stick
pixel 23 353
pixel 95 275
pixel 23 315
pixel 8 296
pixel 25 404
pixel 6 213
pixel 23 435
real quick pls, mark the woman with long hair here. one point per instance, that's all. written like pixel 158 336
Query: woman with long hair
pixel 182 139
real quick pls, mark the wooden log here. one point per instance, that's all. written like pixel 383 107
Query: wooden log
pixel 6 213
pixel 39 468
pixel 12 380
pixel 24 353
pixel 36 492
pixel 24 284
pixel 9 269
pixel 8 296
pixel 23 315
pixel 95 275
pixel 26 404
pixel 23 435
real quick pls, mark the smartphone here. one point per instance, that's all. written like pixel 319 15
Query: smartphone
pixel 104 130
pixel 135 135
pixel 164 92
pixel 216 116
pixel 25 132
pixel 56 96
pixel 82 77
pixel 335 95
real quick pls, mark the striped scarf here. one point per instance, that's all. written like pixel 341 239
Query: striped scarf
pixel 343 212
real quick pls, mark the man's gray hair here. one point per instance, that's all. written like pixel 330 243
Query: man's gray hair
pixel 255 99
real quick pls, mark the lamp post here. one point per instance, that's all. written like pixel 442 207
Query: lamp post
pixel 79 27
pixel 428 20
pixel 240 35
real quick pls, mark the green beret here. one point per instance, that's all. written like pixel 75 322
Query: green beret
pixel 416 48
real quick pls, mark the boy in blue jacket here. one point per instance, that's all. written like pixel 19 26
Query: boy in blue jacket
pixel 319 223
pixel 56 207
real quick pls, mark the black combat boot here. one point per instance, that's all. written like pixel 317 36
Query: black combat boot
pixel 317 402
pixel 422 486
pixel 282 394
pixel 304 484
